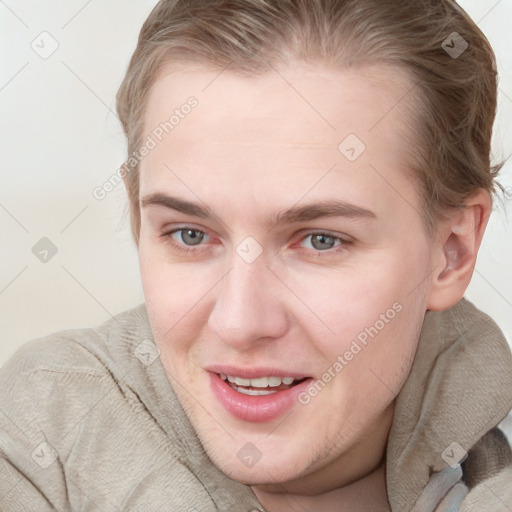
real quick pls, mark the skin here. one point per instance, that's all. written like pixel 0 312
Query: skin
pixel 256 146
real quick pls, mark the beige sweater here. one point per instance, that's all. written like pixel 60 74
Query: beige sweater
pixel 86 426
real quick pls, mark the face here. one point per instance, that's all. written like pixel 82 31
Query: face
pixel 283 264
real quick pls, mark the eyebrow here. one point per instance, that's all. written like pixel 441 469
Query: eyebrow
pixel 179 205
pixel 308 212
pixel 330 208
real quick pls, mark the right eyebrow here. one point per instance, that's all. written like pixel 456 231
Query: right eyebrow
pixel 179 205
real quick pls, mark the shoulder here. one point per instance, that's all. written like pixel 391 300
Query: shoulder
pixel 84 351
pixel 34 368
pixel 53 383
pixel 55 367
pixel 58 352
pixel 66 368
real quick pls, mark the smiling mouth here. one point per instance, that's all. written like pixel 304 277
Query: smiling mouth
pixel 260 386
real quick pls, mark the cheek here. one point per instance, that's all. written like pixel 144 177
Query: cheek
pixel 174 294
pixel 379 370
pixel 169 284
pixel 370 315
pixel 350 300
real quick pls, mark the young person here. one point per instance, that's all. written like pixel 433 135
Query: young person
pixel 309 185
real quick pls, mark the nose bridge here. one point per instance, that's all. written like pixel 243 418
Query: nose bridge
pixel 247 307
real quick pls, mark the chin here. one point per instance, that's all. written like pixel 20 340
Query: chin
pixel 260 474
pixel 243 462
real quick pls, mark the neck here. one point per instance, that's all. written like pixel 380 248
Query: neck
pixel 364 495
pixel 354 481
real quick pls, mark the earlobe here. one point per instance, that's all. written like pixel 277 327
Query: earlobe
pixel 458 241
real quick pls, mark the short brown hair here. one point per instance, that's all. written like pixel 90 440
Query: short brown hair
pixel 456 95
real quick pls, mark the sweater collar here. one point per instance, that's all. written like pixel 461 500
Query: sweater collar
pixel 459 387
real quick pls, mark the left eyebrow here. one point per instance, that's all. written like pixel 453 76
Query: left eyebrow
pixel 320 210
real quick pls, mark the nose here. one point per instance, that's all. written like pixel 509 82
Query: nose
pixel 248 308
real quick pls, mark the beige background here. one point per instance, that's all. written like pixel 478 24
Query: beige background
pixel 60 139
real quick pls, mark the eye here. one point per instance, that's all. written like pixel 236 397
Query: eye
pixel 188 236
pixel 321 241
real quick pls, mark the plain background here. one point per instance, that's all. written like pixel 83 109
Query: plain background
pixel 61 139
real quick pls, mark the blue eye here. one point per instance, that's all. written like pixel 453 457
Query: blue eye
pixel 189 236
pixel 322 241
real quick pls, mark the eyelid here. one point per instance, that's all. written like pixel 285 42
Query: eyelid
pixel 168 229
pixel 340 236
pixel 344 242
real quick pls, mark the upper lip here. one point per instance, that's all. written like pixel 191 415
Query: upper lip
pixel 253 372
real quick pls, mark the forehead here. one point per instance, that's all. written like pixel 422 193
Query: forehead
pixel 285 127
pixel 327 100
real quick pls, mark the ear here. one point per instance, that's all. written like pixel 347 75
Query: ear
pixel 456 248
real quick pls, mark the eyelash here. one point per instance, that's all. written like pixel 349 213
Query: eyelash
pixel 342 246
pixel 167 237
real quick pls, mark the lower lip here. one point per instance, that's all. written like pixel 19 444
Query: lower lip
pixel 256 409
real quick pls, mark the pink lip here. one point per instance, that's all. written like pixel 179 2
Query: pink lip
pixel 253 373
pixel 256 409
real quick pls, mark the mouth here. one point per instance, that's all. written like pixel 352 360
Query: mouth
pixel 257 396
pixel 261 386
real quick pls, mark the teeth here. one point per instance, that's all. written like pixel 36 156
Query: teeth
pixel 260 382
pixel 274 381
pixel 254 392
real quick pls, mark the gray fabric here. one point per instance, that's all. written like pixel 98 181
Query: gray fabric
pixel 490 455
pixel 452 501
pixel 493 494
pixel 123 442
pixel 459 388
pixel 439 485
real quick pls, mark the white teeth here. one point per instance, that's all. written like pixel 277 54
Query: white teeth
pixel 254 392
pixel 275 381
pixel 260 382
pixel 242 382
